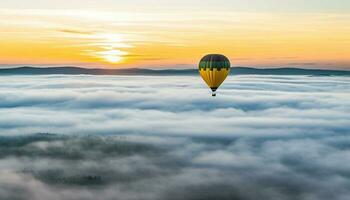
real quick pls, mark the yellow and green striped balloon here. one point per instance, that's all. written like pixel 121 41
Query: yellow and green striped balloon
pixel 214 68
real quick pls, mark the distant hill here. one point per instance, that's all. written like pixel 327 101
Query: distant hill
pixel 169 72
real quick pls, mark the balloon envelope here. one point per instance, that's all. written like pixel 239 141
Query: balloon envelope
pixel 214 68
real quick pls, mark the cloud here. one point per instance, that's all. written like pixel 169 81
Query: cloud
pixel 263 137
pixel 72 31
pixel 73 167
pixel 174 106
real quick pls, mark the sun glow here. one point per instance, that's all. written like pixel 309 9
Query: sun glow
pixel 108 47
pixel 112 56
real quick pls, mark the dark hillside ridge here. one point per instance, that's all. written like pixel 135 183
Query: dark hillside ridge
pixel 167 72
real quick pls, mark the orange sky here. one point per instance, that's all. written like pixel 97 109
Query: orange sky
pixel 146 38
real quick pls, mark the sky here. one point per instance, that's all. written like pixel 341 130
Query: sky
pixel 150 33
pixel 155 138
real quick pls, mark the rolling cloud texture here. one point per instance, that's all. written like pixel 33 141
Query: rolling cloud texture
pixel 119 137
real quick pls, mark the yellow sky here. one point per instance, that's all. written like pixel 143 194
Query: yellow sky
pixel 172 39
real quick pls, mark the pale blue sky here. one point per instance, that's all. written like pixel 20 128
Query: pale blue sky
pixel 234 5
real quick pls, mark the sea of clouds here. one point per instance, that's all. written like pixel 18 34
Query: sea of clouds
pixel 145 137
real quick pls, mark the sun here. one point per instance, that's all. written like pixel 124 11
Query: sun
pixel 113 59
pixel 112 56
pixel 109 48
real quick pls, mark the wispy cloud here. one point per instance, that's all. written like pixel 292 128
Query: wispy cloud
pixel 73 31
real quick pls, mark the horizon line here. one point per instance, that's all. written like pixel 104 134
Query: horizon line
pixel 170 67
pixel 160 69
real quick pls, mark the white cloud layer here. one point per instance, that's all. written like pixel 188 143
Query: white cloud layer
pixel 262 137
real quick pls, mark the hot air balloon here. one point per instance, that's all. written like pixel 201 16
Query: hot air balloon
pixel 214 68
